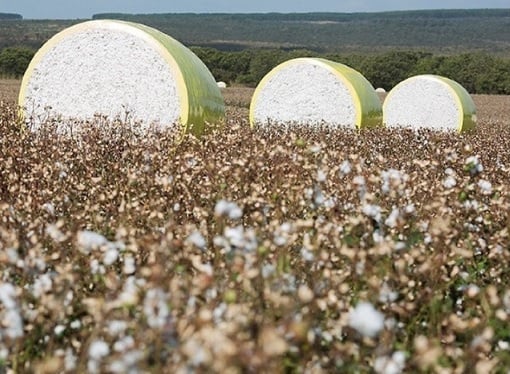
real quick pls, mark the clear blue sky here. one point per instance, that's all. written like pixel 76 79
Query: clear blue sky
pixel 54 9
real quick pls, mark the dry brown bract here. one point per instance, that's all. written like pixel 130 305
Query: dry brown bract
pixel 256 251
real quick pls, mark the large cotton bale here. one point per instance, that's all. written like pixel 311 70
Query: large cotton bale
pixel 314 91
pixel 429 101
pixel 120 70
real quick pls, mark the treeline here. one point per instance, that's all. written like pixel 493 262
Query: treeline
pixel 327 16
pixel 10 16
pixel 477 72
pixel 14 61
pixel 437 31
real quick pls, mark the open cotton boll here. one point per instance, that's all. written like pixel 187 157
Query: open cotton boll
pixel 314 91
pixel 123 71
pixel 429 101
pixel 365 319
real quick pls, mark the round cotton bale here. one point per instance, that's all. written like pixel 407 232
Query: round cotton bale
pixel 120 70
pixel 430 101
pixel 315 91
pixel 222 84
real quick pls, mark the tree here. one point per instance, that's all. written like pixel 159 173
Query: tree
pixel 15 60
pixel 389 69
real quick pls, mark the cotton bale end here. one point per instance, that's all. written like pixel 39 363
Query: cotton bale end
pixel 429 101
pixel 120 70
pixel 315 91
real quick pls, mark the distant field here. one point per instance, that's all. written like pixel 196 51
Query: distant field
pixel 9 89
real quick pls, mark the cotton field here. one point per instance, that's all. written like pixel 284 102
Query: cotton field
pixel 255 250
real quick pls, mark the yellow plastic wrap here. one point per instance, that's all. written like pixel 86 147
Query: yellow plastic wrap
pixel 468 108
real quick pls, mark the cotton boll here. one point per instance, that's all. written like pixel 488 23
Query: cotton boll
pixel 449 182
pixel 229 209
pixel 116 327
pixel 197 240
pixel 390 365
pixel 13 323
pixel 110 256
pixel 96 267
pixel 155 308
pixel 129 293
pixel 59 329
pixel 49 207
pixel 11 318
pixel 237 238
pixel 42 284
pixel 321 176
pixel 387 295
pixel 391 178
pixel 123 344
pixel 98 349
pixel 473 165
pixel 88 240
pixel 54 233
pixel 345 167
pixel 365 319
pixel 392 219
pixel 410 209
pixel 70 360
pixel 129 265
pixel 485 187
pixel 372 211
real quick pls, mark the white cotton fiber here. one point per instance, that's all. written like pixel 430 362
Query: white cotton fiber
pixel 311 92
pixel 305 94
pixel 119 70
pixel 429 101
pixel 105 72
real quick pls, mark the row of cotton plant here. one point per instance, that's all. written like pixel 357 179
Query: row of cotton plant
pixel 254 250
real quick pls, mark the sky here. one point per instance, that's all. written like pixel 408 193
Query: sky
pixel 71 9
